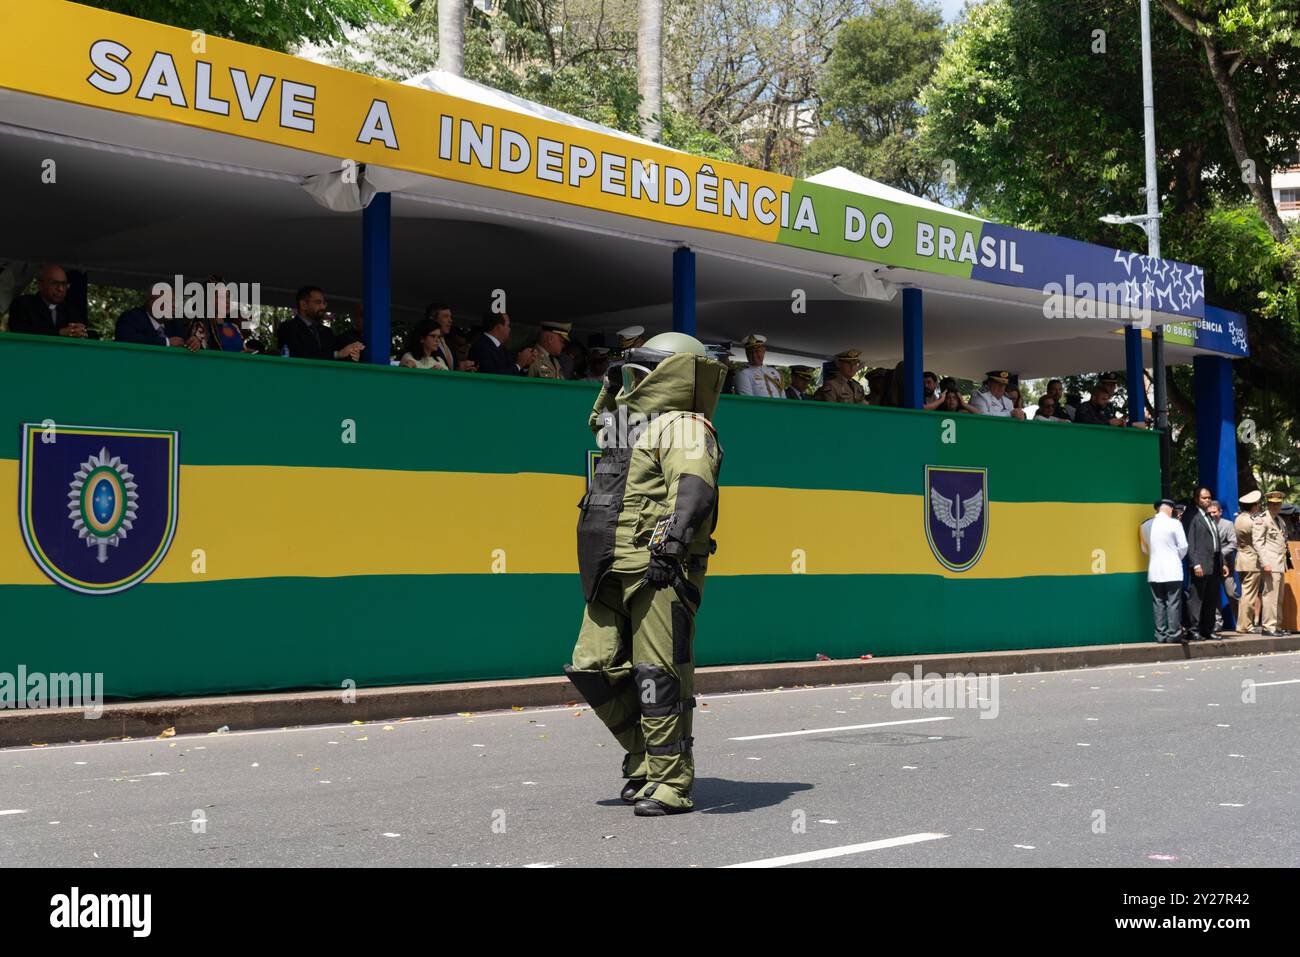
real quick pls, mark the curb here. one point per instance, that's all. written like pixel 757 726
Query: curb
pixel 140 719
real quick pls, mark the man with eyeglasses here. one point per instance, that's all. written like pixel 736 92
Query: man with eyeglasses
pixel 306 336
pixel 47 312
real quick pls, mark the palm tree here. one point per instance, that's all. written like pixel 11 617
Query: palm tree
pixel 451 34
pixel 649 65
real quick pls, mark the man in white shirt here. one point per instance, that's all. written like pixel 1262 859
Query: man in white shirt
pixel 756 378
pixel 1168 547
pixel 993 400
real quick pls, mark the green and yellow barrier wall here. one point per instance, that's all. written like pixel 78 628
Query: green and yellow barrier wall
pixel 439 544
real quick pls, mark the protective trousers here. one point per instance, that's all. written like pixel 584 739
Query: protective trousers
pixel 634 663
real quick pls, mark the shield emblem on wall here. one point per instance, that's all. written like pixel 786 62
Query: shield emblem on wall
pixel 956 515
pixel 98 506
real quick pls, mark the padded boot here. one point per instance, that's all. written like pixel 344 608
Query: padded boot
pixel 658 800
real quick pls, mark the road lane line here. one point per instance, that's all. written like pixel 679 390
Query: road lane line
pixel 847 727
pixel 12 812
pixel 844 851
pixel 1267 684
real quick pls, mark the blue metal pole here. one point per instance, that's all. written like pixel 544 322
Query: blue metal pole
pixel 376 292
pixel 913 349
pixel 1216 429
pixel 684 291
pixel 1137 392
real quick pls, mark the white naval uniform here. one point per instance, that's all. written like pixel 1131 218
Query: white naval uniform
pixel 985 403
pixel 759 380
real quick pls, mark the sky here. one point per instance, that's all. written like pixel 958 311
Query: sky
pixel 951 8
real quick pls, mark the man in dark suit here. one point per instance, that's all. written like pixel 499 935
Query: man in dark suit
pixel 489 351
pixel 47 312
pixel 306 335
pixel 139 325
pixel 1204 565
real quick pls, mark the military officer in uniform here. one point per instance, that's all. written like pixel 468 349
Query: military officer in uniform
pixel 993 398
pixel 842 387
pixel 1270 543
pixel 757 378
pixel 800 378
pixel 1248 566
pixel 643 549
pixel 550 343
pixel 631 337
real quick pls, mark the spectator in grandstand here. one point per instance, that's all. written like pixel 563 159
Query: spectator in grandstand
pixel 422 347
pixel 550 347
pixel 143 325
pixel 800 378
pixel 993 399
pixel 222 327
pixel 1097 410
pixel 461 340
pixel 877 386
pixel 843 386
pixel 47 311
pixel 758 378
pixel 952 401
pixel 931 395
pixel 597 364
pixel 440 312
pixel 490 352
pixel 1064 410
pixel 1047 410
pixel 306 336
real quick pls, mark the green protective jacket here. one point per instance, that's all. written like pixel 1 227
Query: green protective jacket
pixel 658 470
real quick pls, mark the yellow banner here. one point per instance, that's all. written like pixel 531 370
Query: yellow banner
pixel 83 55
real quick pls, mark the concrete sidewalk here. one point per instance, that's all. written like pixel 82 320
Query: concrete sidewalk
pixel 137 719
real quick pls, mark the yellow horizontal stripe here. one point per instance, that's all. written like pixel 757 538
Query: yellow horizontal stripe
pixel 272 522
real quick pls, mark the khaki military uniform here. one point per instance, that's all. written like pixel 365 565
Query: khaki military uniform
pixel 1248 566
pixel 1270 545
pixel 840 389
pixel 545 366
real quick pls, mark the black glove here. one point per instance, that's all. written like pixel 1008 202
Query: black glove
pixel 663 570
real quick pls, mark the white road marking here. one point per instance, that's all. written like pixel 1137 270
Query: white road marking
pixel 847 727
pixel 12 812
pixel 1267 684
pixel 844 851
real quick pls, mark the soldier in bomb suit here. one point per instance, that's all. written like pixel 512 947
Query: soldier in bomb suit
pixel 643 549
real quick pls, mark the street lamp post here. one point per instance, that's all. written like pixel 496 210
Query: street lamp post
pixel 1150 223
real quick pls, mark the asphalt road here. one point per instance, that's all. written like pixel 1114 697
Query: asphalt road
pixel 1158 766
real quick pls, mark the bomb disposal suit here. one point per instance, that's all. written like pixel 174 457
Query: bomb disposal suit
pixel 643 549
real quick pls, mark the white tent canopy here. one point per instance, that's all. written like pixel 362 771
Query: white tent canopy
pixel 143 198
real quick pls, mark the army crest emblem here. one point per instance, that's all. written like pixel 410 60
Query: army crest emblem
pixel 97 506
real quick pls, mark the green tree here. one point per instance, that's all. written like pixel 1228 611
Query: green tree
pixel 584 65
pixel 1039 105
pixel 274 24
pixel 1263 37
pixel 870 90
